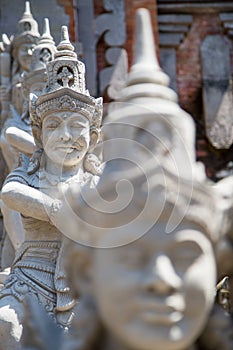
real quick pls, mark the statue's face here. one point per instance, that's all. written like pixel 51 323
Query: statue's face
pixel 154 136
pixel 65 138
pixel 25 56
pixel 156 293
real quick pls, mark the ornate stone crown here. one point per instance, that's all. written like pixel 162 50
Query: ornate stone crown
pixel 66 88
pixel 27 29
pixel 42 54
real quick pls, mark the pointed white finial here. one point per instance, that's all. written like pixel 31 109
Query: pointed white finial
pixel 27 8
pixel 65 47
pixel 65 40
pixel 145 66
pixel 27 24
pixel 65 34
pixel 46 30
pixel 144 48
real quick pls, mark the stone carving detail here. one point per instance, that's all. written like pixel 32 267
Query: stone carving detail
pixel 110 26
pixel 227 21
pixel 17 135
pixel 63 136
pixel 217 90
pixel 15 59
pixel 21 47
pixel 194 6
pixel 172 30
pixel 113 25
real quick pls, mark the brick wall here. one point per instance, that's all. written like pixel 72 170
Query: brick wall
pixel 189 82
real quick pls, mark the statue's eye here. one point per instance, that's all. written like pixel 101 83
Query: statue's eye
pixel 77 125
pixel 52 126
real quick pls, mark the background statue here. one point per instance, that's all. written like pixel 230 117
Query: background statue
pixel 65 123
pixel 18 133
pixel 21 47
pixel 16 57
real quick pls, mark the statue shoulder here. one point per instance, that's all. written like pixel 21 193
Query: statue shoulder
pixel 20 174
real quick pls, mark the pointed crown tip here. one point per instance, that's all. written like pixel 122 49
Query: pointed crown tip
pixel 27 12
pixel 27 26
pixel 65 45
pixel 27 6
pixel 46 28
pixel 64 33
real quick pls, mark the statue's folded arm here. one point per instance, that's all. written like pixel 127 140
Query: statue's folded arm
pixel 27 200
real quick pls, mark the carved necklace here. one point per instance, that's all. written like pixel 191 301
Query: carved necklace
pixel 54 180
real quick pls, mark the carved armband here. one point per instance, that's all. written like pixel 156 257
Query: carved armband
pixel 54 210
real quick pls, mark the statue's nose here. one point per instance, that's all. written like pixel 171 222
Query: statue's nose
pixel 161 277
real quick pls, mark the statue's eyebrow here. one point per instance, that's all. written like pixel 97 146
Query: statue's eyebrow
pixel 53 119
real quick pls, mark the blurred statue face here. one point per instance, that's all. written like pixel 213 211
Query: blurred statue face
pixel 156 292
pixel 155 136
pixel 25 56
pixel 66 138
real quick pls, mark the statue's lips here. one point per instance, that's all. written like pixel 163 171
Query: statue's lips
pixel 69 148
pixel 159 312
pixel 162 318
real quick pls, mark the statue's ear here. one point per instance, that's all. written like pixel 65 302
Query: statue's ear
pixel 36 131
pixel 94 137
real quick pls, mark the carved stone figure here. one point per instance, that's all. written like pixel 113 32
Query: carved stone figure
pixel 18 134
pixel 148 270
pixel 65 123
pixel 21 46
pixel 15 59
pixel 145 280
pixel 155 292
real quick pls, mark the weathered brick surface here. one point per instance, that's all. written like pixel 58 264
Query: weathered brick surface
pixel 189 76
pixel 189 82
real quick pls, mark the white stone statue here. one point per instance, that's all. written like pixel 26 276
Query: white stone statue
pixel 21 46
pixel 17 133
pixel 146 269
pixel 65 123
pixel 15 59
pixel 151 294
